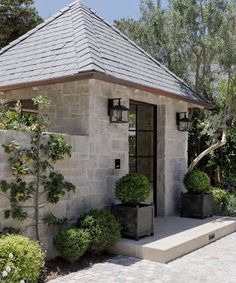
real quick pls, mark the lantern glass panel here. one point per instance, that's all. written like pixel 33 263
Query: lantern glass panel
pixel 117 112
pixel 183 126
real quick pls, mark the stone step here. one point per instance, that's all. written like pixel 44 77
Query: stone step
pixel 175 237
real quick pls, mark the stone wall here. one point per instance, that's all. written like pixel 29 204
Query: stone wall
pixel 92 174
pixel 79 109
pixel 171 144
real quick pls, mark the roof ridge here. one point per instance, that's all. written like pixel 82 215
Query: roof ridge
pixel 147 54
pixel 38 27
pixel 94 41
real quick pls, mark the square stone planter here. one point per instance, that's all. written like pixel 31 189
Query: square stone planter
pixel 196 205
pixel 136 221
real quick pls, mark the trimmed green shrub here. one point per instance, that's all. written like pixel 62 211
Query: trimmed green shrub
pixel 72 243
pixel 103 227
pixel 197 182
pixel 133 189
pixel 21 259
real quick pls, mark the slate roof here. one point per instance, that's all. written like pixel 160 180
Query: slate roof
pixel 77 40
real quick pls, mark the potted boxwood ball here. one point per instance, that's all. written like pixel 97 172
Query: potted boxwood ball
pixel 136 218
pixel 197 202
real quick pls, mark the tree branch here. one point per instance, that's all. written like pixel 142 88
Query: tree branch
pixel 212 148
pixel 5 195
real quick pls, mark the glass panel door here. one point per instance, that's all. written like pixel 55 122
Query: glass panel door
pixel 142 142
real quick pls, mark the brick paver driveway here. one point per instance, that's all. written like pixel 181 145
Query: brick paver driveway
pixel 215 263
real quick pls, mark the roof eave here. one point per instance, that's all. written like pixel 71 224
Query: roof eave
pixel 107 78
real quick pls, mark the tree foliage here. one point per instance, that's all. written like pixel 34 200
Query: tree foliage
pixel 189 37
pixel 16 18
pixel 196 40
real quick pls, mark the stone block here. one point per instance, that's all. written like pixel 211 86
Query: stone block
pixel 80 144
pixel 105 161
pixel 69 88
pixel 72 99
pixel 82 89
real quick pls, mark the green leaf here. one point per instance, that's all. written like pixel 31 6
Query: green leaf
pixel 7 214
pixel 4 186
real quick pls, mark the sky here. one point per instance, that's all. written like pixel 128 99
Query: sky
pixel 108 9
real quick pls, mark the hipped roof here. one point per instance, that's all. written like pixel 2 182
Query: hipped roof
pixel 76 41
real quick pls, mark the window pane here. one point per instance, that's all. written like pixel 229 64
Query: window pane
pixel 144 144
pixel 132 143
pixel 145 166
pixel 132 117
pixel 132 165
pixel 144 117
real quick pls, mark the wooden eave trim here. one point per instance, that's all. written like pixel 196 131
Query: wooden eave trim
pixel 106 78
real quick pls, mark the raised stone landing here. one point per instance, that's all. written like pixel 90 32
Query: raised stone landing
pixel 175 237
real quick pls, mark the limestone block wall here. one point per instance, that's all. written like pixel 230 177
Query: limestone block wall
pixel 80 108
pixel 69 109
pixel 91 189
pixel 171 144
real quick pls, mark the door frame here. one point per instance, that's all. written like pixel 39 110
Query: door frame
pixel 154 154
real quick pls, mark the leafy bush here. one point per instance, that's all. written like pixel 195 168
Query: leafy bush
pixel 21 259
pixel 197 182
pixel 220 196
pixel 221 200
pixel 133 189
pixel 103 227
pixel 231 206
pixel 72 243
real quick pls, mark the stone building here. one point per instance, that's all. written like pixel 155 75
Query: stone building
pixel 80 61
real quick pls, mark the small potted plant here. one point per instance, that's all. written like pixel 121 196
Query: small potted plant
pixel 136 218
pixel 197 202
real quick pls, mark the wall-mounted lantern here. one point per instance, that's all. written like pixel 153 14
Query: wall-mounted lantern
pixel 118 113
pixel 183 122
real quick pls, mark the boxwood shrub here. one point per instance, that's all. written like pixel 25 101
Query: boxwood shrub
pixel 133 189
pixel 103 228
pixel 21 259
pixel 197 182
pixel 72 243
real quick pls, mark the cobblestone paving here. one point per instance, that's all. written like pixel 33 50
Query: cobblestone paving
pixel 215 263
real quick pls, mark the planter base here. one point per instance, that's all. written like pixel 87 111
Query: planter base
pixel 136 221
pixel 196 205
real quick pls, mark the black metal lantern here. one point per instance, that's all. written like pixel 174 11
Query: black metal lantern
pixel 183 122
pixel 118 113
